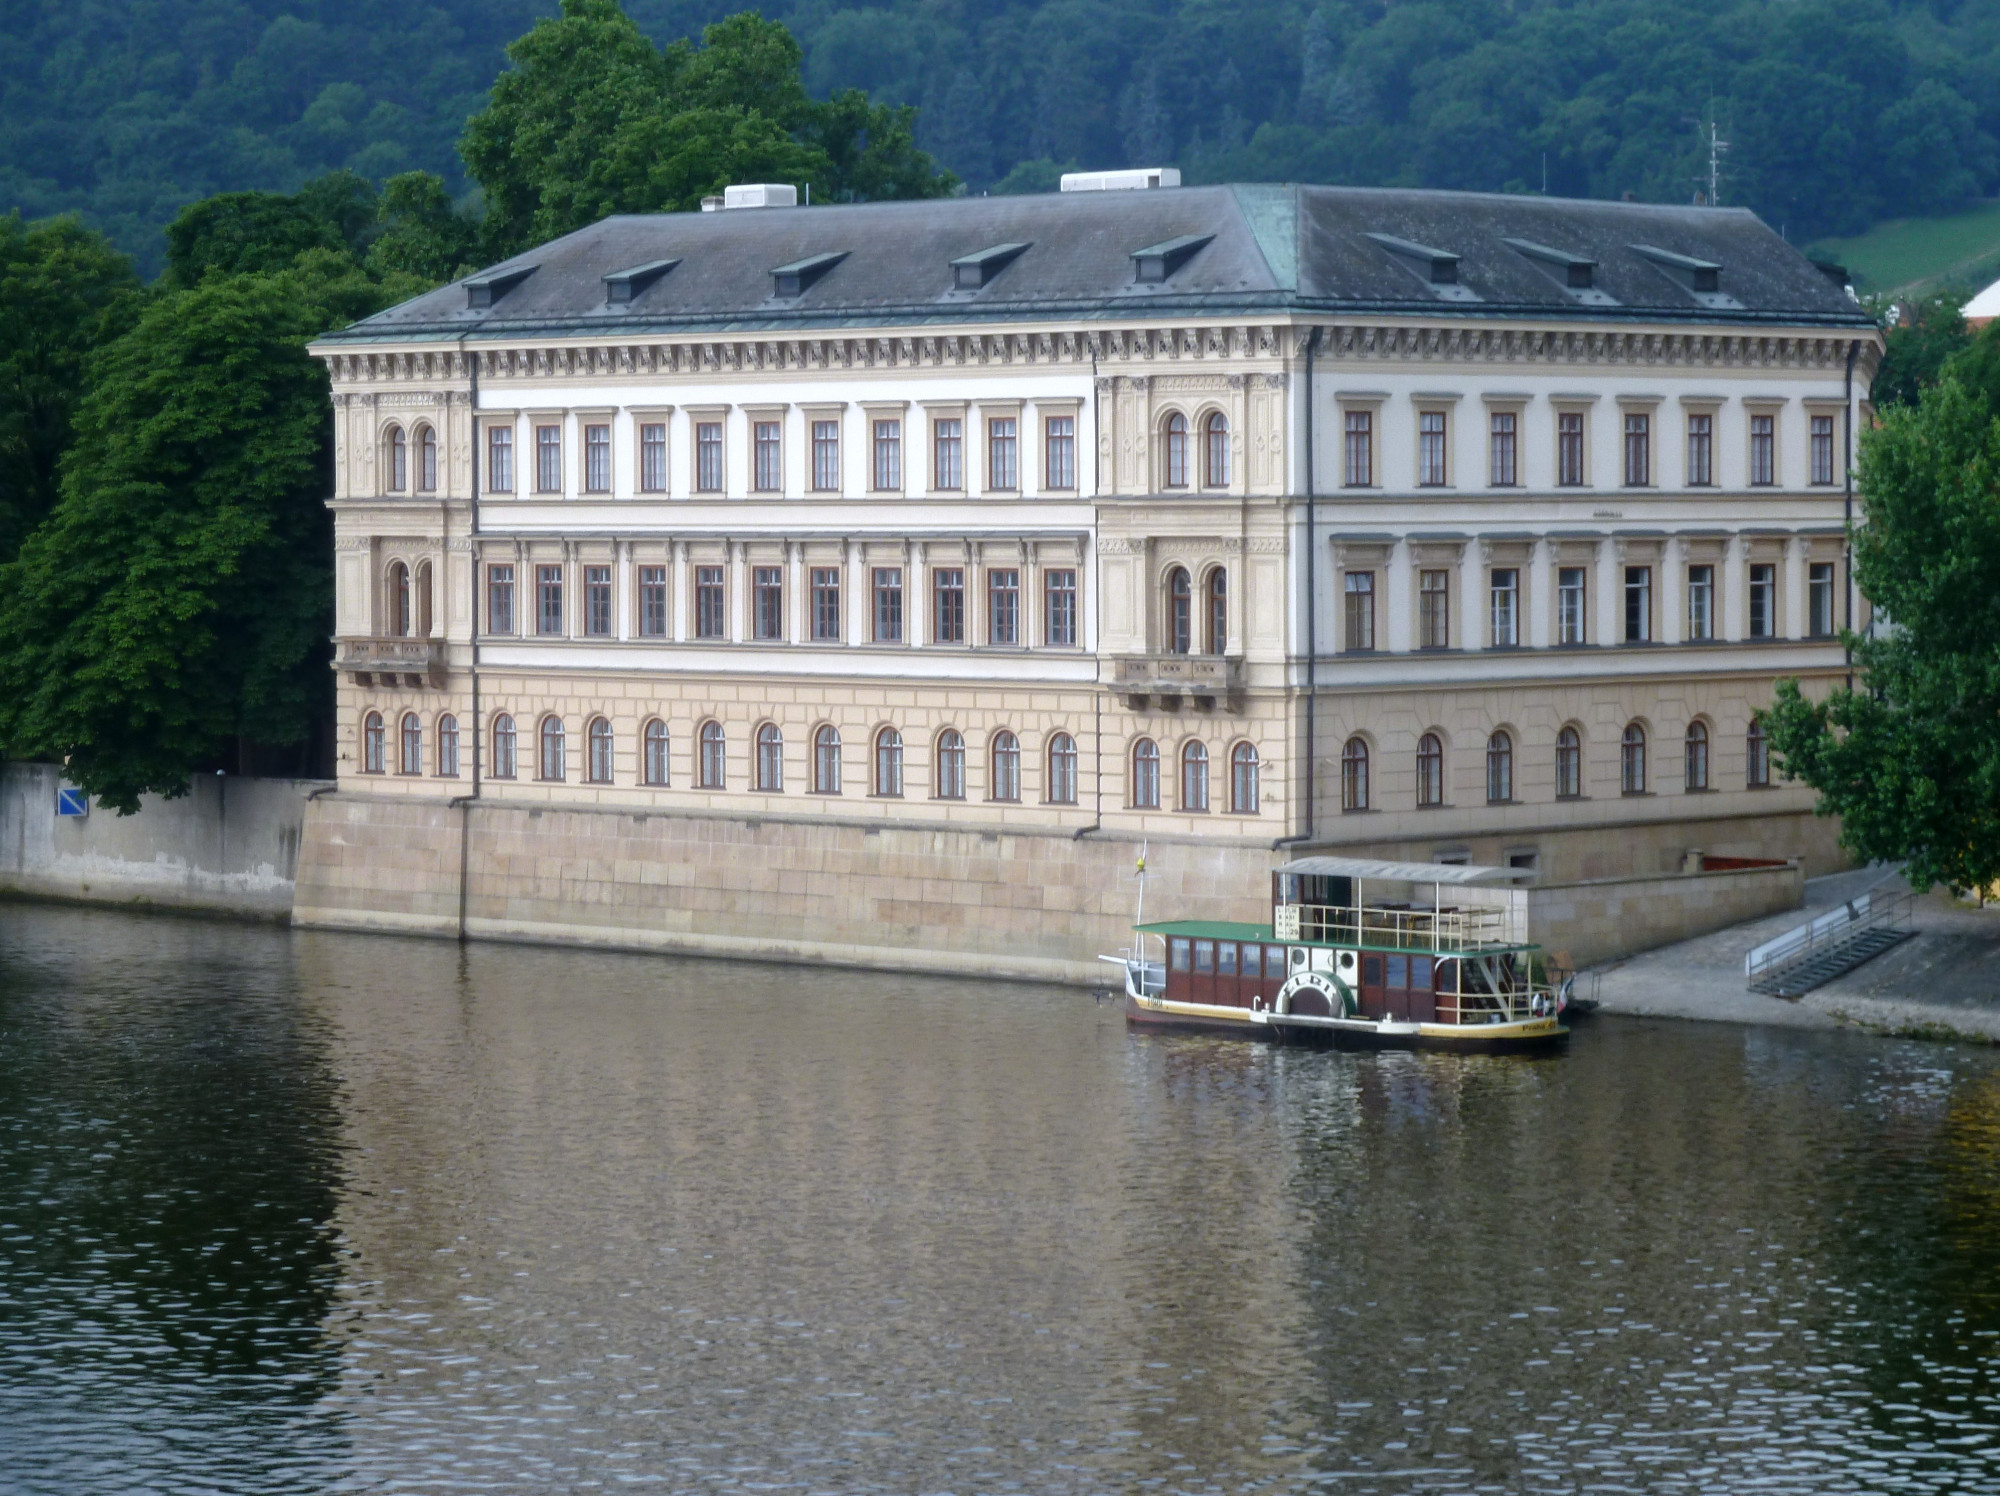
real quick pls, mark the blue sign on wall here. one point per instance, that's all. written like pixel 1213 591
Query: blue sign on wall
pixel 72 802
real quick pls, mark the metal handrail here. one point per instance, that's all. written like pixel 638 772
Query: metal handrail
pixel 1436 930
pixel 1838 924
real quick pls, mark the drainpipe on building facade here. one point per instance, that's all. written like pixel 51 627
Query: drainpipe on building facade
pixel 1097 732
pixel 464 802
pixel 1312 607
pixel 1847 532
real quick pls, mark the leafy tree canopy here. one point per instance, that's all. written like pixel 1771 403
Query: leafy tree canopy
pixel 1918 349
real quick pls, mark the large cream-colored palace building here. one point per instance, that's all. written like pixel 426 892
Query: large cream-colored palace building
pixel 1443 524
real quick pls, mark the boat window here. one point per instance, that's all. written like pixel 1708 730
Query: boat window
pixel 1225 959
pixel 1399 971
pixel 1274 961
pixel 1204 956
pixel 1251 961
pixel 1420 973
pixel 1371 971
pixel 1179 949
pixel 1447 976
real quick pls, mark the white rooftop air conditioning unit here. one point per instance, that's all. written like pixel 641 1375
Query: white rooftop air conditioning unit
pixel 1121 181
pixel 760 195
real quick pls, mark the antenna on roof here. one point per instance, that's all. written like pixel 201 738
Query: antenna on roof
pixel 1717 149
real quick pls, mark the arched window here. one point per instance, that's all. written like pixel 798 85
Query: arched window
pixel 1569 764
pixel 1243 779
pixel 951 765
pixel 553 745
pixel 1430 770
pixel 1697 756
pixel 1757 756
pixel 1354 775
pixel 1180 612
pixel 421 612
pixel 399 599
pixel 1215 451
pixel 770 774
pixel 1006 766
pixel 1146 775
pixel 714 747
pixel 826 761
pixel 503 747
pixel 398 460
pixel 1632 760
pixel 410 738
pixel 1194 777
pixel 374 747
pixel 1499 769
pixel 448 746
pixel 427 460
pixel 1177 451
pixel 1217 620
pixel 657 758
pixel 600 751
pixel 1062 769
pixel 888 762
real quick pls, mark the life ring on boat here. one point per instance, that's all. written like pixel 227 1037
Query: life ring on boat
pixel 1316 994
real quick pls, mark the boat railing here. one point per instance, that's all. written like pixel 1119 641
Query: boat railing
pixel 1437 930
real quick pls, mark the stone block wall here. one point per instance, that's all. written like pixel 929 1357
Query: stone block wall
pixel 1604 918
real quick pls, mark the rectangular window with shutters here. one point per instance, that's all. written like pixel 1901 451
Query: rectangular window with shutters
pixel 948 605
pixel 888 466
pixel 1701 451
pixel 888 590
pixel 549 600
pixel 597 459
pixel 826 456
pixel 1638 604
pixel 1569 448
pixel 1570 603
pixel 1822 449
pixel 1701 602
pixel 948 453
pixel 597 601
pixel 767 456
pixel 1059 607
pixel 1431 469
pixel 1358 449
pixel 1434 610
pixel 1360 609
pixel 1763 601
pixel 1059 452
pixel 711 614
pixel 1503 470
pixel 1819 600
pixel 653 602
pixel 548 459
pixel 653 457
pixel 1003 606
pixel 1002 454
pixel 1505 595
pixel 1638 450
pixel 500 599
pixel 767 601
pixel 500 459
pixel 1763 450
pixel 708 457
pixel 826 603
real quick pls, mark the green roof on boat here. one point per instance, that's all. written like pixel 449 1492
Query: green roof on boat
pixel 1209 929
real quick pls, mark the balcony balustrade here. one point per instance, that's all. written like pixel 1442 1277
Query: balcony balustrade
pixel 1206 679
pixel 388 660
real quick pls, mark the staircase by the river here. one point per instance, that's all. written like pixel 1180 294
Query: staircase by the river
pixel 1830 946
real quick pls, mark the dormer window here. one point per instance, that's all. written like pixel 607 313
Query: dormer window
pixel 483 291
pixel 1701 278
pixel 1573 273
pixel 1156 262
pixel 624 286
pixel 971 272
pixel 1437 268
pixel 795 279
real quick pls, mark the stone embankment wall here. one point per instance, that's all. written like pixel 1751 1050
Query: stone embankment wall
pixel 230 846
pixel 1606 917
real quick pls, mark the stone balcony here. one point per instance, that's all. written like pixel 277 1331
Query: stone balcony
pixel 390 661
pixel 1204 680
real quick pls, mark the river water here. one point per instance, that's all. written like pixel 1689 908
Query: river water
pixel 293 1212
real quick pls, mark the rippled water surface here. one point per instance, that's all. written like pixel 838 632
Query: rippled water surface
pixel 312 1213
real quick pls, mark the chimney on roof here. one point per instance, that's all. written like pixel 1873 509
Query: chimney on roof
pixel 1121 181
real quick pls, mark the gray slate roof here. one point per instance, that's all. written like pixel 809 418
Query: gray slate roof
pixel 1271 248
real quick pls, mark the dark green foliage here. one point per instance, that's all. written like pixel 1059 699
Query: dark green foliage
pixel 1917 353
pixel 1910 762
pixel 63 293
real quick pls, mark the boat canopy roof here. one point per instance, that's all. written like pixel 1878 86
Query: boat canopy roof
pixel 1208 929
pixel 1403 872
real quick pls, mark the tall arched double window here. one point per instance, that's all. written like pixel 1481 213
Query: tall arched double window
pixel 1697 756
pixel 1354 775
pixel 1194 776
pixel 713 757
pixel 1499 769
pixel 889 762
pixel 427 460
pixel 826 760
pixel 1216 613
pixel 1180 612
pixel 770 771
pixel 1177 451
pixel 374 744
pixel 410 736
pixel 1062 769
pixel 1215 451
pixel 1632 760
pixel 658 760
pixel 1006 779
pixel 448 746
pixel 1569 764
pixel 420 609
pixel 397 458
pixel 399 600
pixel 554 748
pixel 505 758
pixel 600 751
pixel 1243 775
pixel 950 765
pixel 1430 770
pixel 1145 775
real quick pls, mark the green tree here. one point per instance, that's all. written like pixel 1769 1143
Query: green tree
pixel 1911 761
pixel 1918 350
pixel 423 233
pixel 64 291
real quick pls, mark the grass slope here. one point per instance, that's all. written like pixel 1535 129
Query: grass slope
pixel 1920 255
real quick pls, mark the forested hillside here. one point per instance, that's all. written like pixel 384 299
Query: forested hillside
pixel 1840 111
